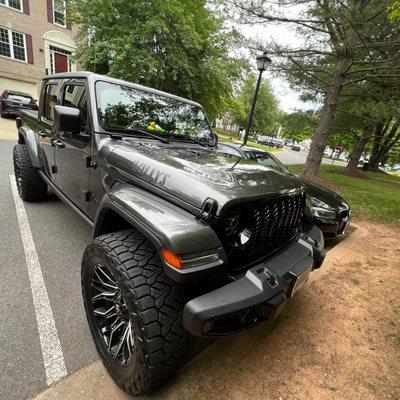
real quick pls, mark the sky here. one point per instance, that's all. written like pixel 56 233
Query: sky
pixel 280 33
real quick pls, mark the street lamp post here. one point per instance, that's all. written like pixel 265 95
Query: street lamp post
pixel 262 63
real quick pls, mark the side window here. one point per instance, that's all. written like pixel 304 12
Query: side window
pixel 230 151
pixel 75 97
pixel 50 100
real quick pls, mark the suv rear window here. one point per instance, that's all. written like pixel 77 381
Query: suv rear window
pixel 20 98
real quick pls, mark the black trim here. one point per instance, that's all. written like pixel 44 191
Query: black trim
pixel 257 296
pixel 65 199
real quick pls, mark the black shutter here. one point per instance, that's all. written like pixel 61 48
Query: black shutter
pixel 25 5
pixel 50 11
pixel 29 48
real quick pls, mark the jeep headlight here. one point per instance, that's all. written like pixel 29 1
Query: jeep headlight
pixel 238 229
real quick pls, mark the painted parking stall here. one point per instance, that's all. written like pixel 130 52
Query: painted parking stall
pixel 53 357
pixel 43 331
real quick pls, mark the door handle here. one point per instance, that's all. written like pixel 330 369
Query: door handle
pixel 58 143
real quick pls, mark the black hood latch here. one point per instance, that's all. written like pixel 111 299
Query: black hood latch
pixel 208 209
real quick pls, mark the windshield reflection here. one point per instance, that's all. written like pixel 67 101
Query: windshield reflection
pixel 122 107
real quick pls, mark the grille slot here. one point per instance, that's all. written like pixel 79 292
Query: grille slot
pixel 272 224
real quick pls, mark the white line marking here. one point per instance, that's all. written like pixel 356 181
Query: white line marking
pixel 53 357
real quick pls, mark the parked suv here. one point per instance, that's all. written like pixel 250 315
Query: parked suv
pixel 12 102
pixel 186 240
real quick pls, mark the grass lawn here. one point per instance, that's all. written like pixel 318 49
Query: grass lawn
pixel 374 199
pixel 250 143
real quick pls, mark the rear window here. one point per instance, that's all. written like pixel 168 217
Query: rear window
pixel 20 98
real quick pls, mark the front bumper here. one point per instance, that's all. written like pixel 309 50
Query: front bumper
pixel 14 110
pixel 260 294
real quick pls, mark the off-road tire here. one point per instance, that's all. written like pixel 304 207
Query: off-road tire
pixel 31 186
pixel 155 304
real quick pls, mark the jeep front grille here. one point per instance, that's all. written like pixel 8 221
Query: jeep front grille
pixel 255 230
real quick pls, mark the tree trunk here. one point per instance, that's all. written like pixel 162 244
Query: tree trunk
pixel 359 147
pixel 386 145
pixel 323 129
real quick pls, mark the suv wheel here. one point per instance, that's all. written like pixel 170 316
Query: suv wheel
pixel 134 311
pixel 31 186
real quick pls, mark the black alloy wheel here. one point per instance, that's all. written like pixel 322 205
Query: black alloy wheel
pixel 111 315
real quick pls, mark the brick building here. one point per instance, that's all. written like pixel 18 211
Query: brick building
pixel 35 40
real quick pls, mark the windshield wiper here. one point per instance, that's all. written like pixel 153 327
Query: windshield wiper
pixel 187 137
pixel 136 130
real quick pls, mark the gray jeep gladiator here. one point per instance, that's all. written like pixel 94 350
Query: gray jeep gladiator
pixel 186 240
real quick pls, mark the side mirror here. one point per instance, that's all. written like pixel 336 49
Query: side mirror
pixel 67 119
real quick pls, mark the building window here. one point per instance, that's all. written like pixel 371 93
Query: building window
pixel 12 44
pixel 17 4
pixel 59 10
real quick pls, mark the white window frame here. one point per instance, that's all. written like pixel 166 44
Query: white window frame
pixel 65 15
pixel 7 4
pixel 10 43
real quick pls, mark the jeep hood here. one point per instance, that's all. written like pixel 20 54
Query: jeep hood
pixel 192 173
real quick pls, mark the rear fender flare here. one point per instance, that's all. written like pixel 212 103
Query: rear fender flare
pixel 31 140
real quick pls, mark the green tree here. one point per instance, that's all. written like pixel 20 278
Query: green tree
pixel 395 10
pixel 344 42
pixel 179 46
pixel 299 125
pixel 266 113
pixel 233 112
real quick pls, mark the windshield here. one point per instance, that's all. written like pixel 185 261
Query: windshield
pixel 267 160
pixel 19 97
pixel 122 107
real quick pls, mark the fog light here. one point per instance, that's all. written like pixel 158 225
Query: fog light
pixel 171 258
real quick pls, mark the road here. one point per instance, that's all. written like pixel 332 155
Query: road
pixel 289 157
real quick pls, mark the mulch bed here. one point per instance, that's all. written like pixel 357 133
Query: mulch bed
pixel 325 183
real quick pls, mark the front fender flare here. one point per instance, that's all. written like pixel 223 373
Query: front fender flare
pixel 165 224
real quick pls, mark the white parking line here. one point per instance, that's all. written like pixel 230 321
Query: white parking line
pixel 53 357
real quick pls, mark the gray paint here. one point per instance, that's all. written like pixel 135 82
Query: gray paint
pixel 159 188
